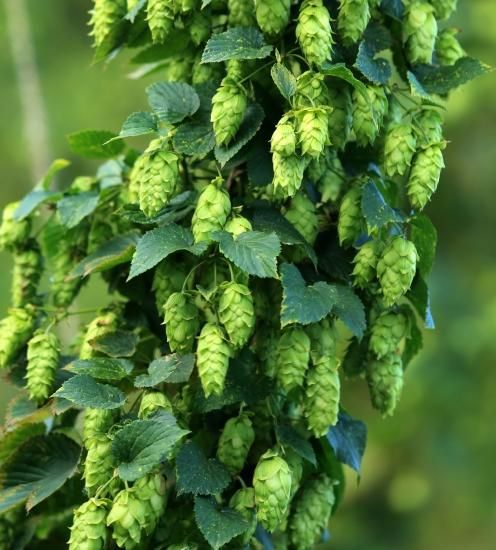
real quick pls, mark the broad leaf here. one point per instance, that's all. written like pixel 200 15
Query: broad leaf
pixel 142 445
pixel 393 8
pixel 236 43
pixel 173 369
pixel 340 70
pixel 348 438
pixel 284 80
pixel 95 144
pixel 198 475
pixel 11 441
pixel 195 138
pixel 109 173
pixel 85 391
pixel 253 252
pixel 120 343
pixel 376 38
pixel 177 208
pixel 138 124
pixel 102 368
pixel 172 102
pixel 350 310
pixel 34 199
pixel 376 210
pixel 288 436
pixel 74 208
pixel 424 237
pixel 420 298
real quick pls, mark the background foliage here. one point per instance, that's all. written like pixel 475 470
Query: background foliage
pixel 428 476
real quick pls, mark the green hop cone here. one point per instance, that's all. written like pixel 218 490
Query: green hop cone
pixel 313 130
pixel 182 322
pixel 283 141
pixel 369 111
pixel 99 464
pixel 385 381
pixel 228 109
pixel 387 333
pixel 168 278
pixel 160 17
pixel 136 511
pixel 106 20
pixel 272 484
pixel 293 355
pixel 444 8
pixel 237 225
pixel 353 18
pixel 212 359
pixel 340 117
pixel 241 13
pixel 420 32
pixel 429 127
pixel 235 442
pixel 89 530
pixel 97 422
pixel 312 512
pixel 396 269
pixel 206 72
pixel 13 232
pixel 311 90
pixel 302 213
pixel 313 32
pixel 350 221
pixel 399 148
pixel 152 402
pixel 288 174
pixel 236 313
pixel 178 68
pixel 43 360
pixel 28 264
pixel 63 288
pixel 448 49
pixel 15 331
pixel 211 212
pixel 243 501
pixel 424 177
pixel 365 263
pixel 272 15
pixel 101 325
pixel 322 339
pixel 200 27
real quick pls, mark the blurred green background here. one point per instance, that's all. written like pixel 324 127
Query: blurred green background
pixel 428 479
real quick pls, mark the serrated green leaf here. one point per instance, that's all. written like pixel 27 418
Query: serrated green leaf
pixel 284 80
pixel 236 43
pixel 34 199
pixel 159 243
pixel 348 440
pixel 172 102
pixel 376 210
pixel 218 525
pixel 12 440
pixel 350 310
pixel 420 298
pixel 74 208
pixel 109 173
pixel 340 70
pixel 173 369
pixel 138 124
pixel 94 144
pixel 195 138
pixel 39 467
pixel 288 436
pixel 393 8
pixel 120 343
pixel 102 368
pixel 376 69
pixel 424 237
pixel 85 391
pixel 254 252
pixel 198 475
pixel 142 445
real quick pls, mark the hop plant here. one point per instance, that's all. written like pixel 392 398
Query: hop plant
pixel 43 360
pixel 13 232
pixel 228 109
pixel 313 130
pixel 350 217
pixel 237 225
pixel 365 263
pixel 97 422
pixel 26 275
pixel 385 381
pixel 89 531
pixel 368 114
pixel 425 175
pixel 16 329
pixel 386 334
pixel 236 313
pixel 272 485
pixel 241 13
pixel 420 32
pixel 168 278
pixel 302 213
pixel 243 501
pixel 235 442
pixel 182 322
pixel 396 269
pixel 272 15
pixel 288 174
pixel 293 355
pixel 212 359
pixel 312 512
pixel 340 116
pixel 152 402
pixel 99 464
pixel 313 32
pixel 211 212
pixel 429 128
pixel 444 8
pixel 100 326
pixel 399 148
pixel 283 140
pixel 448 49
pixel 353 18
pixel 106 18
pixel 160 17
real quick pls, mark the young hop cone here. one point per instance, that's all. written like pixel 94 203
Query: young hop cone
pixel 182 322
pixel 272 15
pixel 64 289
pixel 228 109
pixel 312 511
pixel 313 32
pixel 212 359
pixel 13 232
pixel 350 219
pixel 311 90
pixel 15 331
pixel 235 442
pixel 340 117
pixel 369 111
pixel 444 8
pixel 353 18
pixel 43 360
pixel 168 278
pixel 100 326
pixel 420 32
pixel 99 464
pixel 243 501
pixel 160 17
pixel 272 484
pixel 97 422
pixel 211 212
pixel 425 175
pixel 106 17
pixel 448 49
pixel 302 213
pixel 89 530
pixel 387 333
pixel 288 174
pixel 293 355
pixel 283 141
pixel 238 225
pixel 429 127
pixel 236 313
pixel 28 264
pixel 399 148
pixel 385 381
pixel 152 402
pixel 313 130
pixel 241 13
pixel 396 269
pixel 365 263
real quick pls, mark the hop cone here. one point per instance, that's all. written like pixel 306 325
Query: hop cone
pixel 236 313
pixel 228 109
pixel 312 512
pixel 444 8
pixel 385 381
pixel 43 360
pixel 200 28
pixel 15 330
pixel 106 17
pixel 448 49
pixel 97 422
pixel 181 322
pixel 353 18
pixel 350 217
pixel 396 269
pixel 26 276
pixel 313 130
pixel 168 278
pixel 365 263
pixel 283 140
pixel 368 114
pixel 340 117
pixel 288 174
pixel 425 175
pixel 419 32
pixel 313 32
pixel 387 333
pixel 272 15
pixel 241 13
pixel 429 128
pixel 101 325
pixel 272 484
pixel 211 212
pixel 135 512
pixel 160 17
pixel 64 290
pixel 13 232
pixel 237 225
pixel 322 339
pixel 89 530
pixel 99 464
pixel 311 90
pixel 206 72
pixel 399 148
pixel 153 401
pixel 235 442
pixel 302 213
pixel 243 501
pixel 293 351
pixel 212 359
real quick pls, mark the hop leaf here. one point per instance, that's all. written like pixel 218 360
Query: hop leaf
pixel 43 360
pixel 212 359
pixel 235 442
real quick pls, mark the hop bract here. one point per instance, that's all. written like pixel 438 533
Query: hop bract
pixel 365 268
pixel 152 402
pixel 235 442
pixel 106 17
pixel 243 501
pixel 444 8
pixel 429 128
pixel 168 278
pixel 237 225
pixel 101 325
pixel 99 464
pixel 212 359
pixel 283 140
pixel 313 32
pixel 13 232
pixel 288 174
pixel 43 360
pixel 241 13
pixel 16 329
pixel 340 116
pixel 313 130
pixel 236 313
pixel 302 213
pixel 89 530
pixel 311 90
pixel 385 380
pixel 97 422
pixel 368 114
